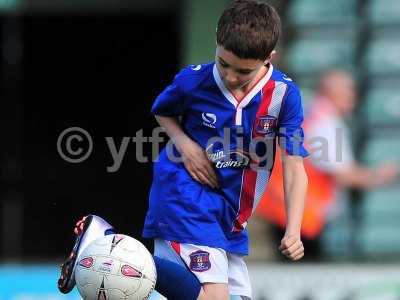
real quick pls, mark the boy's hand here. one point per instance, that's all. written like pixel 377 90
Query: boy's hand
pixel 292 247
pixel 197 163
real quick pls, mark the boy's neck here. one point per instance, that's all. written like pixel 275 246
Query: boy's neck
pixel 241 92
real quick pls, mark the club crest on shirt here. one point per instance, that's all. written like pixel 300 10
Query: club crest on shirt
pixel 265 125
pixel 200 261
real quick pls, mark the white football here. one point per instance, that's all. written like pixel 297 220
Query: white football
pixel 115 267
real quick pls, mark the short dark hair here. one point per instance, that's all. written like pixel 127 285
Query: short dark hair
pixel 249 29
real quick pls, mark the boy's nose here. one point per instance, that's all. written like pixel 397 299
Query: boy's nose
pixel 231 79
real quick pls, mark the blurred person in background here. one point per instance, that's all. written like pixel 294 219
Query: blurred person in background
pixel 331 166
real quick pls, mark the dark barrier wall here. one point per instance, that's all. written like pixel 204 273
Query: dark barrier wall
pixel 99 73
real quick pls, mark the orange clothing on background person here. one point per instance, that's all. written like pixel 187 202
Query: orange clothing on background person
pixel 320 194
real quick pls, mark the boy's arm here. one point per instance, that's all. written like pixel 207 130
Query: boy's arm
pixel 295 187
pixel 291 137
pixel 194 157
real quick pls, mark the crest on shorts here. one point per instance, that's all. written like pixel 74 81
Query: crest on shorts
pixel 265 125
pixel 200 261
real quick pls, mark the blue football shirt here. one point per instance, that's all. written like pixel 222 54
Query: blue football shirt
pixel 239 138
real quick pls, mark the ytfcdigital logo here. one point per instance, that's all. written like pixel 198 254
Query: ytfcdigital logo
pixel 78 153
pixel 75 145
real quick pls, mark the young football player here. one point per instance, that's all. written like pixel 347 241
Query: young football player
pixel 224 119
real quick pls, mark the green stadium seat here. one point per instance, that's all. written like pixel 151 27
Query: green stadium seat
pixel 382 148
pixel 391 220
pixel 316 55
pixel 382 206
pixel 379 241
pixel 382 57
pixel 316 12
pixel 383 12
pixel 382 107
pixel 379 225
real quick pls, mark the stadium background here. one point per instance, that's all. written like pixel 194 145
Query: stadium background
pixel 99 64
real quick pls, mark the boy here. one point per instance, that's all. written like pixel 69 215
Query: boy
pixel 207 185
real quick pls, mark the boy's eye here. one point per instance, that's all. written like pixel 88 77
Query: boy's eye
pixel 224 65
pixel 244 72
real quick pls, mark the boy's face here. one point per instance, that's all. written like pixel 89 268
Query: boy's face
pixel 236 72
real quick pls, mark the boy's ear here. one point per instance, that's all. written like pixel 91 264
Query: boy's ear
pixel 271 55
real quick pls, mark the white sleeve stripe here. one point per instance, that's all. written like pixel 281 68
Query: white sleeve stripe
pixel 277 98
